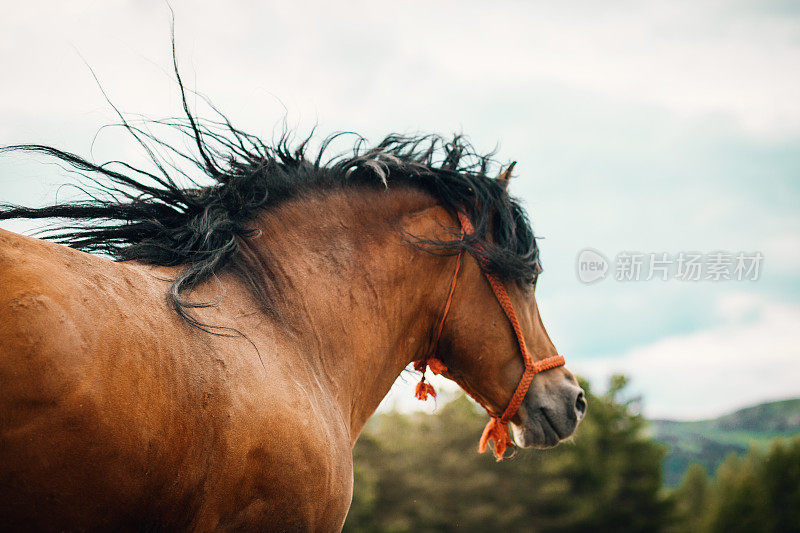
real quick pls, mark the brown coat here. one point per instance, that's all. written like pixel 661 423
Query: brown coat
pixel 115 414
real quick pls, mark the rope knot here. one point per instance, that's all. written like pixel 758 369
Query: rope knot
pixel 436 366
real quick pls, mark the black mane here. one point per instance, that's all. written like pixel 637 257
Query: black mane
pixel 135 214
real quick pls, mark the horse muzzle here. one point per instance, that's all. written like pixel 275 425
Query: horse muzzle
pixel 550 413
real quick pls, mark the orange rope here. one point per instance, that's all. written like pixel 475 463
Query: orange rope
pixel 497 427
pixel 435 364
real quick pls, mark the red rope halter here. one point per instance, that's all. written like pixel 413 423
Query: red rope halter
pixel 497 427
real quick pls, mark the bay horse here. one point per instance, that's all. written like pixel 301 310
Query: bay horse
pixel 203 357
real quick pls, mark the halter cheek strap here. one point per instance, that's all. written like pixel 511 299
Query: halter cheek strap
pixel 497 427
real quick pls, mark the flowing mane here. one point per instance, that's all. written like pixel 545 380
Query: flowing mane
pixel 134 214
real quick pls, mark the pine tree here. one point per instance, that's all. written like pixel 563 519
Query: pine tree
pixel 691 499
pixel 759 492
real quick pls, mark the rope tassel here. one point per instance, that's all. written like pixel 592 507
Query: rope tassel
pixel 423 390
pixel 497 431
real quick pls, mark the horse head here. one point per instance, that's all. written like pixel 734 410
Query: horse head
pixel 482 355
pixel 495 346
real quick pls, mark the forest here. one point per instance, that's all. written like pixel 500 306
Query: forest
pixel 420 472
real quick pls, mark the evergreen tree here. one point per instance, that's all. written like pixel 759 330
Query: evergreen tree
pixel 780 477
pixel 692 499
pixel 759 492
pixel 612 470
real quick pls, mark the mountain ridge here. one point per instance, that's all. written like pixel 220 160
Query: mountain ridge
pixel 709 441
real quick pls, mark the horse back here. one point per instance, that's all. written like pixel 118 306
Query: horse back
pixel 80 412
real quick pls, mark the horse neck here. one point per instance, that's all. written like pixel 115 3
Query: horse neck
pixel 359 298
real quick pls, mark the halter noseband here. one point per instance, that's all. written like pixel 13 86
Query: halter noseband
pixel 497 427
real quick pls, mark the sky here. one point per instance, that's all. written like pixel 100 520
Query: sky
pixel 639 127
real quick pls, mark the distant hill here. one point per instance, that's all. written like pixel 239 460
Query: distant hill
pixel 708 442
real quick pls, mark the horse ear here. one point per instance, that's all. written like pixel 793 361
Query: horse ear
pixel 505 177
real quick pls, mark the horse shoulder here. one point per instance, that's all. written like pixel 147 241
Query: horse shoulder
pixel 289 462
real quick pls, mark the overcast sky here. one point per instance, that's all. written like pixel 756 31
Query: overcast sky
pixel 638 126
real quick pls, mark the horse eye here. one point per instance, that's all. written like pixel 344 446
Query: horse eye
pixel 532 284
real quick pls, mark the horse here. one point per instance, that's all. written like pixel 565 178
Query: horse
pixel 190 355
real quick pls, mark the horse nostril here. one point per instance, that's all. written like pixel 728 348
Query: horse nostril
pixel 580 405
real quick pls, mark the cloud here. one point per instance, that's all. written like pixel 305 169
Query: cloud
pixel 753 356
pixel 691 58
